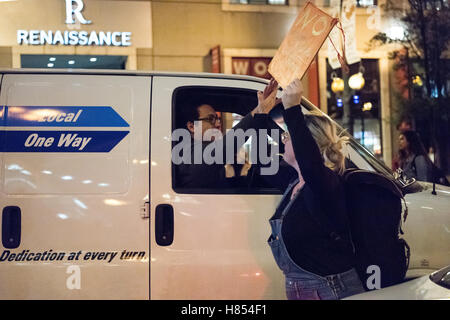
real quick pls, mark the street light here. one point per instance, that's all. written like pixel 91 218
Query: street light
pixel 367 106
pixel 338 84
pixel 417 80
pixel 357 81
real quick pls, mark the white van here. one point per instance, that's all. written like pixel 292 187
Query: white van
pixel 90 209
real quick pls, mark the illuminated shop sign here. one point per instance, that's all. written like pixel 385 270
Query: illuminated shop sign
pixel 257 67
pixel 74 38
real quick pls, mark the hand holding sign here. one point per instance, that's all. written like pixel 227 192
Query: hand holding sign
pixel 267 100
pixel 292 94
pixel 301 44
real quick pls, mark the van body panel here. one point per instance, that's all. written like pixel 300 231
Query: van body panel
pixel 220 246
pixel 74 201
pixel 89 205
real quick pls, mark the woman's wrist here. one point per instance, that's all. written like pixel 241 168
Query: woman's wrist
pixel 291 101
pixel 290 105
pixel 292 94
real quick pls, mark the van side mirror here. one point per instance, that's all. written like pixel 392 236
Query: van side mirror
pixel 407 185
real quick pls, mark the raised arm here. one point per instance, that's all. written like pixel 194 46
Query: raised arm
pixel 258 117
pixel 306 150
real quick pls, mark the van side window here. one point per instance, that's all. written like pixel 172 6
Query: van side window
pixel 206 157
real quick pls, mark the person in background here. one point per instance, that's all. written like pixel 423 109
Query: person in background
pixel 413 158
pixel 431 154
pixel 404 125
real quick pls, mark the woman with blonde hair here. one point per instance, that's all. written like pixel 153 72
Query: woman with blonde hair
pixel 324 132
pixel 317 264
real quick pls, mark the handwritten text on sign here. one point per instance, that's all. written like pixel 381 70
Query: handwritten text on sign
pixel 301 44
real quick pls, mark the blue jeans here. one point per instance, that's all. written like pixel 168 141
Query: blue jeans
pixel 332 287
pixel 302 284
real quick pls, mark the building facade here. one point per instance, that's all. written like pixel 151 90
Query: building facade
pixel 57 33
pixel 228 36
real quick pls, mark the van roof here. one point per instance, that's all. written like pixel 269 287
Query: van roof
pixel 305 101
pixel 133 73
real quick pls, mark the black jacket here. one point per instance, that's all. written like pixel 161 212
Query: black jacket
pixel 190 175
pixel 321 201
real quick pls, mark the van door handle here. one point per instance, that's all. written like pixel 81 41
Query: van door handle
pixel 164 224
pixel 11 227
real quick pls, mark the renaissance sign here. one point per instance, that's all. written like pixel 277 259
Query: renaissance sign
pixel 74 10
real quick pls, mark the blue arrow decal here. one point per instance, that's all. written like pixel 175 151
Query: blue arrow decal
pixel 33 116
pixel 60 141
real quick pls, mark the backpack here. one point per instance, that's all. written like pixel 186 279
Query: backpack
pixel 374 204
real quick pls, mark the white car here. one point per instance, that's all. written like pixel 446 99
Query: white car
pixel 430 287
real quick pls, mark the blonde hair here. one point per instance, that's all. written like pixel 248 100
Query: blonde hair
pixel 330 144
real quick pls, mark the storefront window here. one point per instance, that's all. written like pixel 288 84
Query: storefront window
pixel 358 110
pixel 73 61
pixel 366 3
pixel 359 3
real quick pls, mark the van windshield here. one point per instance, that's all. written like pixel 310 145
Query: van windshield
pixel 378 165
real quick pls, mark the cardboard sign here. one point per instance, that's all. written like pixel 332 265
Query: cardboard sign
pixel 301 44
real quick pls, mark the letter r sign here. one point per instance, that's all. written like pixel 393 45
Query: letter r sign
pixel 72 11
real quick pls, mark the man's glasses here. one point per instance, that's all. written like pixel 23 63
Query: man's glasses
pixel 285 137
pixel 212 118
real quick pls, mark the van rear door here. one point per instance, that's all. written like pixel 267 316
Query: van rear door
pixel 74 176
